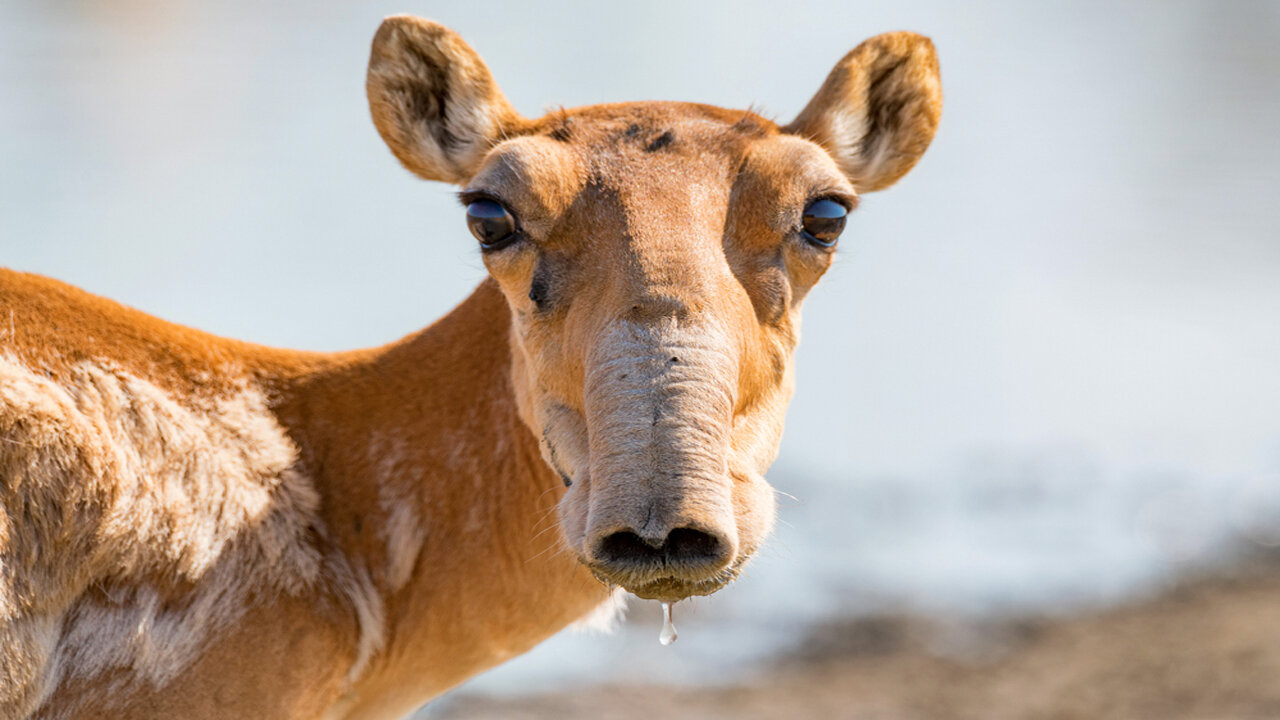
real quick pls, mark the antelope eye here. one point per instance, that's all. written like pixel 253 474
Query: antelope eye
pixel 824 221
pixel 493 225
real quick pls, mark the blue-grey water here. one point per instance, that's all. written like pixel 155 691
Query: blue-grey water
pixel 1042 375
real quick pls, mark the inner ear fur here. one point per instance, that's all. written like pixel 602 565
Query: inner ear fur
pixel 433 100
pixel 878 109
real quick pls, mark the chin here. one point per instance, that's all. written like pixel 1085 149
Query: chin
pixel 669 588
pixel 672 590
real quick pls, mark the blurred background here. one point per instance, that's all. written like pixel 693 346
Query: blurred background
pixel 1038 405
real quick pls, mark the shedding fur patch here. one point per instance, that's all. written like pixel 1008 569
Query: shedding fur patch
pixel 134 527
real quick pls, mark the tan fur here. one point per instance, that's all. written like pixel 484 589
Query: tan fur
pixel 197 527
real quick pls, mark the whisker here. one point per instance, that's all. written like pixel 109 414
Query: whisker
pixel 786 494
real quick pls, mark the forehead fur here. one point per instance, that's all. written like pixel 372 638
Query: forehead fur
pixel 603 158
pixel 650 127
pixel 616 145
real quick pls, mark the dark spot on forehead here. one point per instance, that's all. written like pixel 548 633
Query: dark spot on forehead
pixel 660 128
pixel 752 125
pixel 561 124
pixel 661 141
pixel 561 133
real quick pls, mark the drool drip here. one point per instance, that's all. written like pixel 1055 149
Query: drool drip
pixel 668 634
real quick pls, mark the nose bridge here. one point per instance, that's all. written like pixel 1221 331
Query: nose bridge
pixel 668 276
pixel 672 247
pixel 659 403
pixel 660 386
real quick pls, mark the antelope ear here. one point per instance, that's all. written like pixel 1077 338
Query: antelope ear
pixel 433 100
pixel 878 109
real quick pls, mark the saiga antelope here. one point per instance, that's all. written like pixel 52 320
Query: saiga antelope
pixel 196 527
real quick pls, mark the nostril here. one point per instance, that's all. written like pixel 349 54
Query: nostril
pixel 627 548
pixel 687 545
pixel 684 546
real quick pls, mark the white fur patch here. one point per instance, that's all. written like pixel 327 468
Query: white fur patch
pixel 405 535
pixel 138 526
pixel 848 129
pixel 403 530
pixel 357 587
pixel 605 617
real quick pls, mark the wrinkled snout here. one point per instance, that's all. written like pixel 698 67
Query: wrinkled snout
pixel 661 520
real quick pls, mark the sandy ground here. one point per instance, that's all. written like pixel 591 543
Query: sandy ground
pixel 1204 650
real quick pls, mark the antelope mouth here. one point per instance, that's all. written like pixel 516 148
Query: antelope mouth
pixel 666 585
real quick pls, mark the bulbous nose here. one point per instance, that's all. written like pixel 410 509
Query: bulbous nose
pixel 688 553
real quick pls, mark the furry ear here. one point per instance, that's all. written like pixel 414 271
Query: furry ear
pixel 433 100
pixel 878 109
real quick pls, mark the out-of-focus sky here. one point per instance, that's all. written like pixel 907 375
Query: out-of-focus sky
pixel 1086 263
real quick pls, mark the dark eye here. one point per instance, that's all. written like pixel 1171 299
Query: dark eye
pixel 493 225
pixel 824 221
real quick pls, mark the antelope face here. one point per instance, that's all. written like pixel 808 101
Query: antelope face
pixel 654 257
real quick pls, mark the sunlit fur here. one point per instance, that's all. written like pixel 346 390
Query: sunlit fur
pixel 197 527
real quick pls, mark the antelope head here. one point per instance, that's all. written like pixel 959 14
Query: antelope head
pixel 654 257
